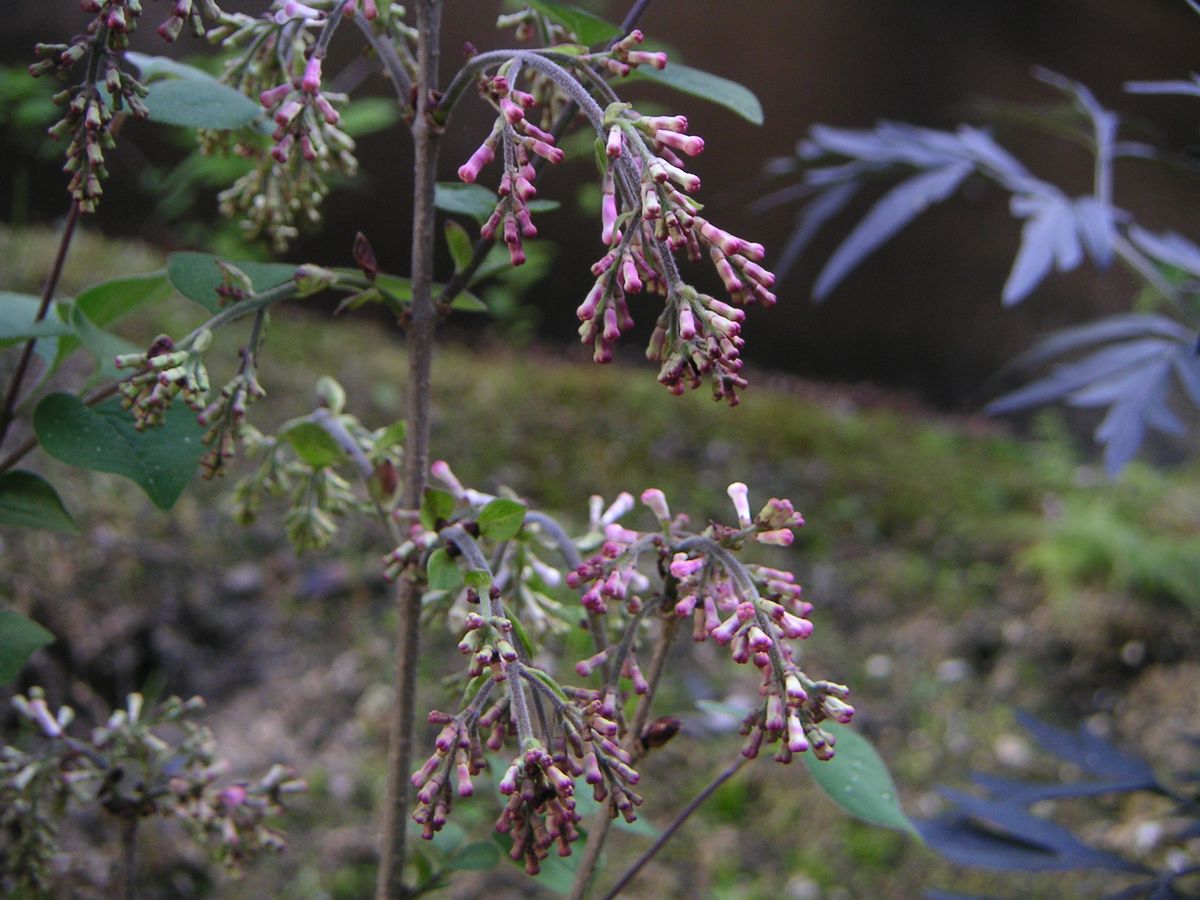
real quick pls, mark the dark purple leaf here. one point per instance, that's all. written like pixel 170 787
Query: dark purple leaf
pixel 1090 753
pixel 1045 238
pixel 1014 825
pixel 1138 400
pixel 1094 221
pixel 1026 794
pixel 999 162
pixel 1187 370
pixel 1065 379
pixel 897 208
pixel 1112 328
pixel 1169 247
pixel 1191 88
pixel 816 213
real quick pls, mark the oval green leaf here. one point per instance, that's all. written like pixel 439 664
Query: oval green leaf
pixel 17 319
pixel 472 200
pixel 588 27
pixel 706 86
pixel 459 244
pixel 163 66
pixel 442 571
pixel 313 444
pixel 436 506
pixel 19 638
pixel 477 857
pixel 501 519
pixel 29 501
pixel 196 103
pixel 159 460
pixel 857 780
pixel 196 276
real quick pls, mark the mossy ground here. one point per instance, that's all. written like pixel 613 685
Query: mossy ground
pixel 958 574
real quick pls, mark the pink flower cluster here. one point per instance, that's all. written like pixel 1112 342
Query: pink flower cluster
pixel 299 110
pixel 696 334
pixel 184 12
pixel 517 138
pixel 754 610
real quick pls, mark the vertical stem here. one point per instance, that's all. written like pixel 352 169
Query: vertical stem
pixel 12 395
pixel 390 884
pixel 129 830
pixel 675 825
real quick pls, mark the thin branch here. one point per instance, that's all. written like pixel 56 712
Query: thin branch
pixel 390 883
pixel 675 825
pixel 8 413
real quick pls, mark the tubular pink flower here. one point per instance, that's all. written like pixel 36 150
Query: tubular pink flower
pixel 656 501
pixel 331 115
pixel 608 212
pixel 272 96
pixel 643 57
pixel 442 472
pixel 615 142
pixel 587 309
pixel 782 537
pixel 687 323
pixel 664 123
pixel 740 495
pixel 682 567
pixel 287 112
pixel 511 112
pixel 621 506
pixel 311 82
pixel 690 144
pixel 548 152
pixel 470 170
pixel 629 276
pixel 797 743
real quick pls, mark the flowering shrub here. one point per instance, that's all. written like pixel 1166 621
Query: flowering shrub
pixel 487 566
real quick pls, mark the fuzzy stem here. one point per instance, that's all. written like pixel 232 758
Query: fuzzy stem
pixel 390 884
pixel 675 825
pixel 14 387
pixel 129 830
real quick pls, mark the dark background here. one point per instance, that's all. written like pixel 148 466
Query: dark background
pixel 922 314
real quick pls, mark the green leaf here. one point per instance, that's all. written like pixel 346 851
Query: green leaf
pixel 588 27
pixel 501 519
pixel 477 857
pixel 313 444
pixel 468 302
pixel 857 780
pixel 196 103
pixel 480 579
pixel 160 460
pixel 161 66
pixel 543 206
pixel 472 200
pixel 103 345
pixel 436 506
pixel 392 436
pixel 19 638
pixel 442 571
pixel 706 86
pixel 367 115
pixel 107 301
pixel 196 276
pixel 29 501
pixel 459 244
pixel 17 314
